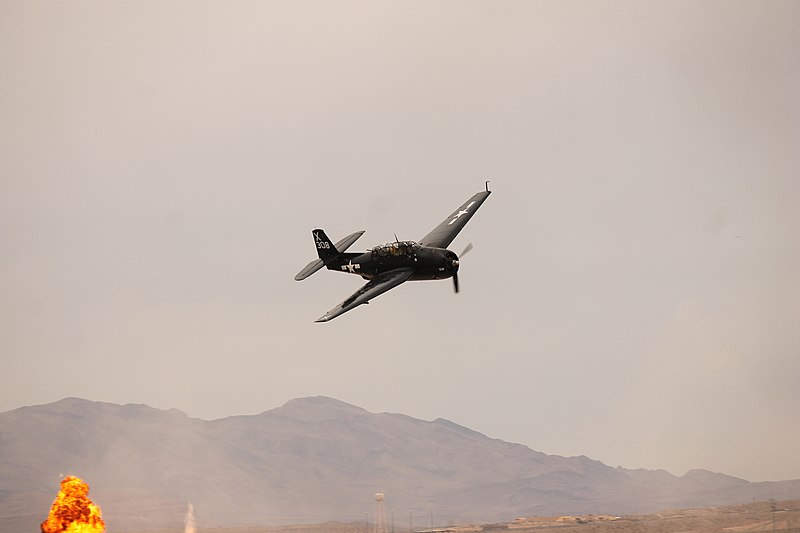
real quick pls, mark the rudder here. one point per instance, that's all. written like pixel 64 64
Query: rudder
pixel 325 248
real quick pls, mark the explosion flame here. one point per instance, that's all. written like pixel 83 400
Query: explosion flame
pixel 73 511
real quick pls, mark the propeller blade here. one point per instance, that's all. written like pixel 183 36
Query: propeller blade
pixel 467 248
pixel 455 282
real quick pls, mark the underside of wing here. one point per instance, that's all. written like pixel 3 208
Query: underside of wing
pixel 442 235
pixel 375 287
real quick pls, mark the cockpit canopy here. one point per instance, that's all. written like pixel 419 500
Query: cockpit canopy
pixel 398 248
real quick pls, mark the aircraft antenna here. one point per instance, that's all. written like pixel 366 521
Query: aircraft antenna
pixel 487 185
pixel 395 238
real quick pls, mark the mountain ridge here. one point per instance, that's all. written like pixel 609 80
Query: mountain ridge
pixel 314 459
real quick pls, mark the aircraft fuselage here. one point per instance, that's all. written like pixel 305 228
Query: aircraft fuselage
pixel 427 262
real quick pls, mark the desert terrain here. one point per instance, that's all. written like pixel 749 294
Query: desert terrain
pixel 318 459
pixel 783 516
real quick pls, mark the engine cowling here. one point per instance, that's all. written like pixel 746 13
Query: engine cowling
pixel 435 263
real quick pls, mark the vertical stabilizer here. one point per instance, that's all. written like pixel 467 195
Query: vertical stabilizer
pixel 325 248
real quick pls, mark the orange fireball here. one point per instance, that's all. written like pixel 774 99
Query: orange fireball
pixel 73 511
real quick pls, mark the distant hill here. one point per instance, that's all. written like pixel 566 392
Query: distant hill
pixel 312 460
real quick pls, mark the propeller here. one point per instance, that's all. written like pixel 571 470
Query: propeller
pixel 456 286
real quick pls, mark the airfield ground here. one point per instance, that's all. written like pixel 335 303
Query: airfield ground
pixel 746 518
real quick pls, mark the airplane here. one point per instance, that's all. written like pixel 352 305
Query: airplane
pixel 394 263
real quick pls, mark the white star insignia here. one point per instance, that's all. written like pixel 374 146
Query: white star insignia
pixel 350 267
pixel 461 212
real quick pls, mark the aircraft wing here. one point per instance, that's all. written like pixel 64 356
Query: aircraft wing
pixel 375 287
pixel 442 235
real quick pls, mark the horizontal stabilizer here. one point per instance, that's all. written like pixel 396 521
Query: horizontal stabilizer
pixel 309 269
pixel 348 241
pixel 317 264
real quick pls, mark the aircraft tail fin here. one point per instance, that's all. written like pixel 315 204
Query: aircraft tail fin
pixel 325 248
pixel 327 252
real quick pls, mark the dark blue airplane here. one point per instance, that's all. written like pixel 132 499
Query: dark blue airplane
pixel 392 264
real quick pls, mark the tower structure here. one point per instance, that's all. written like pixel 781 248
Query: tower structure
pixel 380 514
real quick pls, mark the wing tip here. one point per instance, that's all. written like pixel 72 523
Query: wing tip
pixel 330 315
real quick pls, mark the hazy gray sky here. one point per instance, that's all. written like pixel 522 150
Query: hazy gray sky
pixel 633 294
